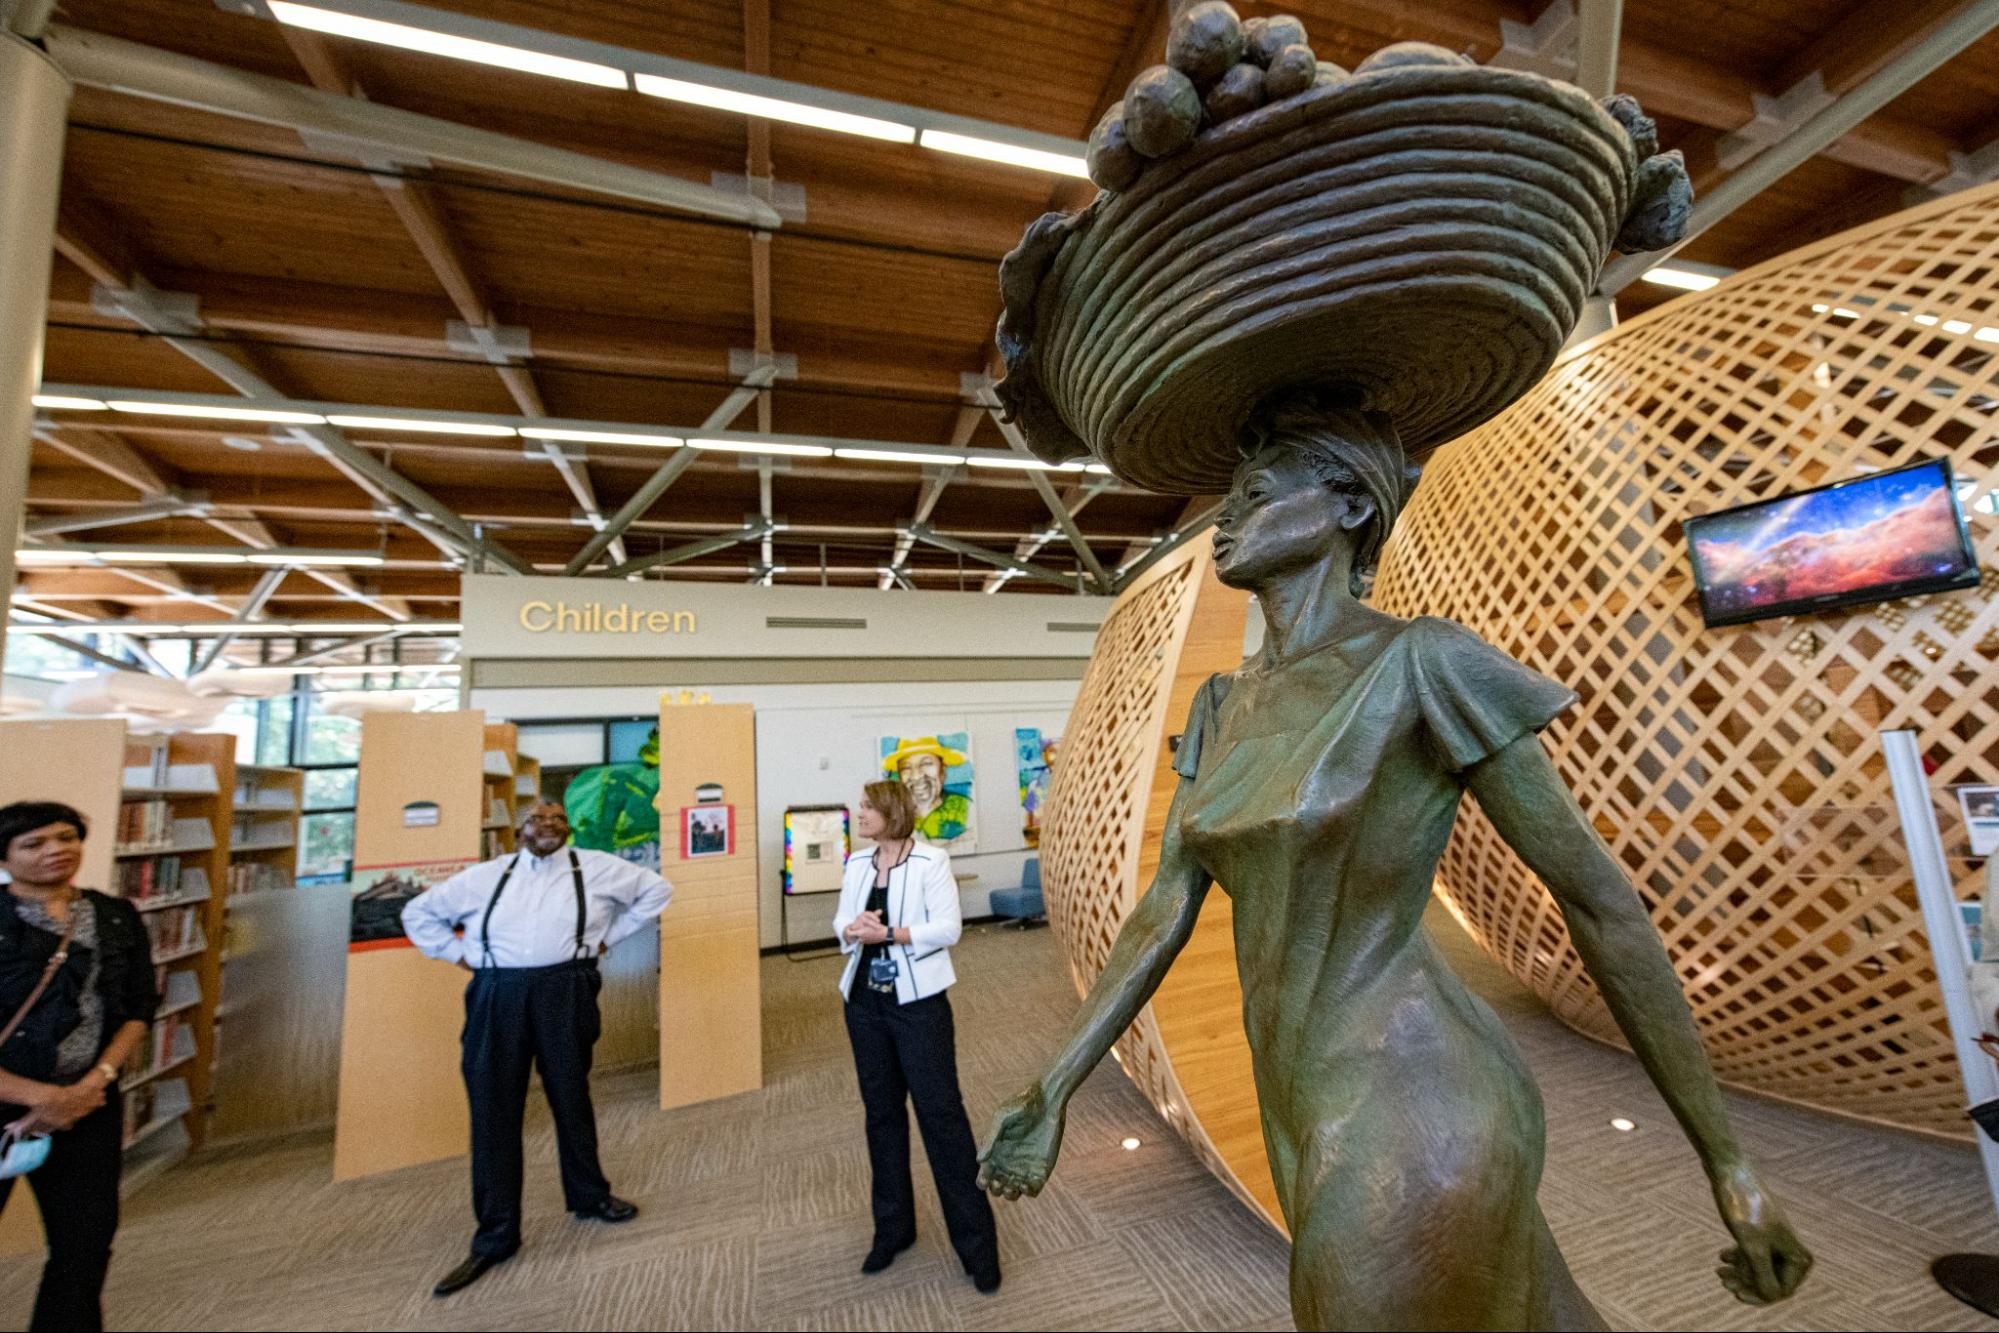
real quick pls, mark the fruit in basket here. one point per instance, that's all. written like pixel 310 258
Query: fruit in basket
pixel 1662 197
pixel 1205 42
pixel 1644 131
pixel 1161 111
pixel 1239 91
pixel 1112 162
pixel 1272 35
pixel 1400 54
pixel 1291 71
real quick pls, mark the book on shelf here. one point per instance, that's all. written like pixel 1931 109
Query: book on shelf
pixel 258 876
pixel 153 877
pixel 151 773
pixel 147 823
pixel 174 929
pixel 170 1042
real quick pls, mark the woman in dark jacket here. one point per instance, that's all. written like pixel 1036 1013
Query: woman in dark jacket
pixel 59 1070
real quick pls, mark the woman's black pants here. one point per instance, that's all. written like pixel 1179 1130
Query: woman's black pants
pixel 905 1053
pixel 77 1190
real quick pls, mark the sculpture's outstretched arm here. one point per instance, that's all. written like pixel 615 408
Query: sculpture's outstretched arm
pixel 1027 1132
pixel 1526 800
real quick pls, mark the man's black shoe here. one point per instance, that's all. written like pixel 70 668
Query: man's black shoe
pixel 613 1209
pixel 987 1281
pixel 883 1254
pixel 466 1274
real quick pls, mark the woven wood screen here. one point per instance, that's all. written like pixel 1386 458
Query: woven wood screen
pixel 1737 773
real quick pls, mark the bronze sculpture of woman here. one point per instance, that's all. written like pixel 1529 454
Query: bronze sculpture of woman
pixel 1330 275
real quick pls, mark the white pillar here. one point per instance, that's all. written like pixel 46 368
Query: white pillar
pixel 34 107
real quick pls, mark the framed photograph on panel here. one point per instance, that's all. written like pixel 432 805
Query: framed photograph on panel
pixel 707 830
pixel 1980 807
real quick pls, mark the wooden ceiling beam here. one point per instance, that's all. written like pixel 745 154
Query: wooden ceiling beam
pixel 1686 87
pixel 87 238
pixel 109 454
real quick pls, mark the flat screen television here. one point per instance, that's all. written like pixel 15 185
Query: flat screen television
pixel 1889 534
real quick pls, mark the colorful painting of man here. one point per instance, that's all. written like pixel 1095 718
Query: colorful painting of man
pixel 938 772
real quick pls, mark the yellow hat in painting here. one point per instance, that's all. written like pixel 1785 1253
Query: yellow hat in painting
pixel 915 745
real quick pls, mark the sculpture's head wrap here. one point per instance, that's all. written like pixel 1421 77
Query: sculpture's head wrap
pixel 1351 450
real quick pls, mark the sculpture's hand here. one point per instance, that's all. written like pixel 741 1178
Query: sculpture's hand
pixel 1767 1261
pixel 1020 1151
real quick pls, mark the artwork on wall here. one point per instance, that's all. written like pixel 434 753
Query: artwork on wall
pixel 817 839
pixel 381 893
pixel 937 769
pixel 1034 760
pixel 613 807
pixel 707 830
pixel 1980 807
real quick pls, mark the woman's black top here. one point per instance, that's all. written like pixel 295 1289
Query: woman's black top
pixel 122 963
pixel 877 903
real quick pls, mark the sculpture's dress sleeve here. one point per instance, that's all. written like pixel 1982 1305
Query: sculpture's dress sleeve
pixel 1476 700
pixel 1200 725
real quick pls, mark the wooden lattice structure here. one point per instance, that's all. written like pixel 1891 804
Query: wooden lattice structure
pixel 1737 773
pixel 1100 844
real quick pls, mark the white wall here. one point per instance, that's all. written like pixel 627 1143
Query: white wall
pixel 816 745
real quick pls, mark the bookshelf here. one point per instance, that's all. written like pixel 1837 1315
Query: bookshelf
pixel 527 785
pixel 264 833
pixel 502 759
pixel 171 860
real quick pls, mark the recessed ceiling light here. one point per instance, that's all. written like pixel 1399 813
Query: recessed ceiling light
pixel 1130 1145
pixel 1683 278
pixel 1007 154
pixel 433 43
pixel 425 424
pixel 773 108
pixel 217 411
pixel 1621 1125
pixel 243 443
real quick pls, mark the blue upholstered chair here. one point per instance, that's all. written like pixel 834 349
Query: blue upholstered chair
pixel 1023 906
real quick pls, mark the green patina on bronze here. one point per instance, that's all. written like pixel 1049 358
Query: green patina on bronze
pixel 1319 782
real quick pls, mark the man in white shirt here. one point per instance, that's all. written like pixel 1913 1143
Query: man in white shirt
pixel 529 927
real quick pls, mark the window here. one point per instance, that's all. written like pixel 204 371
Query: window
pixel 328 847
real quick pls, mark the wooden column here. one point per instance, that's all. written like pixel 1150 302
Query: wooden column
pixel 401 1099
pixel 710 999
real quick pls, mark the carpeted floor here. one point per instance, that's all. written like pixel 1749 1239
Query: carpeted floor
pixel 756 1207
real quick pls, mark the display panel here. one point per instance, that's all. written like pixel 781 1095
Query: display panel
pixel 1892 534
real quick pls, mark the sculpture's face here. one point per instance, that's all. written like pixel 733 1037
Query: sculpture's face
pixel 1279 517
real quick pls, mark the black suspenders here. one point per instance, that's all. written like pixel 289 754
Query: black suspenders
pixel 486 921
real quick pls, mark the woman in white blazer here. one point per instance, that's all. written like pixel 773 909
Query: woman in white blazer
pixel 897 920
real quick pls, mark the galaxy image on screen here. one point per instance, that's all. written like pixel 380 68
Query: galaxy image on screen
pixel 1872 536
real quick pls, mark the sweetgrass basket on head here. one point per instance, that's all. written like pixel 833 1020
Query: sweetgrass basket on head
pixel 1420 235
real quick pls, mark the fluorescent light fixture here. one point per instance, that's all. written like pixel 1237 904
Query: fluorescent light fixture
pixel 444 44
pixel 1926 320
pixel 428 425
pixel 773 108
pixel 1016 461
pixel 1685 279
pixel 1008 154
pixel 1839 311
pixel 218 412
pixel 38 555
pixel 59 402
pixel 601 436
pixel 1099 469
pixel 898 456
pixel 1957 326
pixel 169 556
pixel 765 447
pixel 321 558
